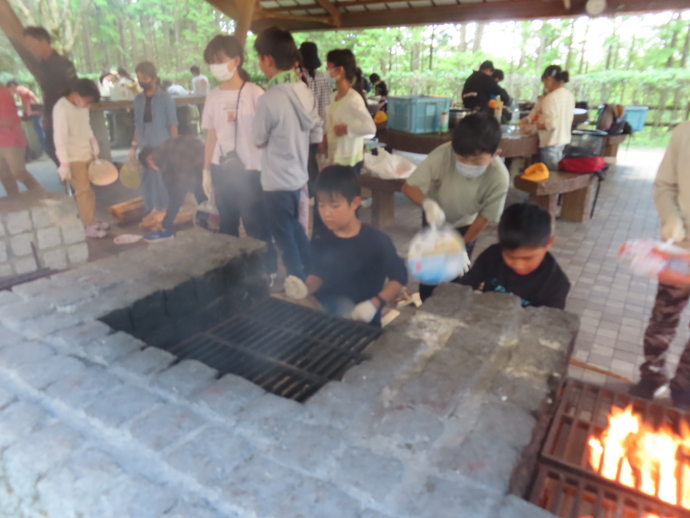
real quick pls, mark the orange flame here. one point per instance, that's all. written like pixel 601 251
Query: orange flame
pixel 636 455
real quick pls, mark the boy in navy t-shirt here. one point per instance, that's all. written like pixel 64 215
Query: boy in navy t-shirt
pixel 355 268
pixel 520 263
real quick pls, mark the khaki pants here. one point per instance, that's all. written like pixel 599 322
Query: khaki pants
pixel 13 170
pixel 86 198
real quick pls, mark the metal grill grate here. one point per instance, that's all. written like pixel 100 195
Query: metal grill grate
pixel 284 348
pixel 583 411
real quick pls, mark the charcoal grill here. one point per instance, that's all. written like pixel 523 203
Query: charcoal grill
pixel 287 349
pixel 566 484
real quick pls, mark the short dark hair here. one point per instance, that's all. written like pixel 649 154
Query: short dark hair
pixel 147 68
pixel 498 74
pixel 278 44
pixel 195 69
pixel 475 134
pixel 487 65
pixel 12 82
pixel 374 78
pixel 524 225
pixel 86 88
pixel 144 154
pixel 560 75
pixel 339 180
pixel 37 33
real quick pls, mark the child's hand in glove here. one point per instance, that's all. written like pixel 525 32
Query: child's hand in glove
pixel 434 213
pixel 673 229
pixel 295 288
pixel 364 311
pixel 64 172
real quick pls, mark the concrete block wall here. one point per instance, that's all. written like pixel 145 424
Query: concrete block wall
pixel 51 222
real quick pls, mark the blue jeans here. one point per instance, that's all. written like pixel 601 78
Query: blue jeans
pixel 239 196
pixel 551 156
pixel 289 235
pixel 37 121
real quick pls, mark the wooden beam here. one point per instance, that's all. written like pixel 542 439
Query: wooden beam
pixel 332 10
pixel 265 15
pixel 14 30
pixel 244 18
pixel 567 5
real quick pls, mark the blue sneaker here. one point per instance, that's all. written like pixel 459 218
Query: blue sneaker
pixel 158 235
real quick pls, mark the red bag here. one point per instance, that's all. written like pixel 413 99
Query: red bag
pixel 583 165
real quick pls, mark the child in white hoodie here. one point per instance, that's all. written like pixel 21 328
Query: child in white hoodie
pixel 76 147
pixel 672 199
pixel 285 123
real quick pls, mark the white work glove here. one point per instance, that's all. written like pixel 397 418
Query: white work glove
pixel 207 184
pixel 673 229
pixel 467 265
pixel 132 154
pixel 295 288
pixel 364 311
pixel 64 172
pixel 95 149
pixel 434 214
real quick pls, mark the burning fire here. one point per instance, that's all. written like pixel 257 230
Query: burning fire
pixel 638 456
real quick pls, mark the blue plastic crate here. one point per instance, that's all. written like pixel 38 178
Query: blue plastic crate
pixel 417 113
pixel 635 116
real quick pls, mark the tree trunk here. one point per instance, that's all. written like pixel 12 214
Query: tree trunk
pixel 86 42
pixel 631 53
pixel 462 29
pixel 571 40
pixel 583 49
pixel 178 56
pixel 478 34
pixel 674 42
pixel 686 50
pixel 13 29
pixel 414 56
pixel 431 48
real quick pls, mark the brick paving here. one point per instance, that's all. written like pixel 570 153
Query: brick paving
pixel 614 305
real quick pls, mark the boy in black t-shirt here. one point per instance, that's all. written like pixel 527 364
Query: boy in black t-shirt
pixel 520 263
pixel 355 268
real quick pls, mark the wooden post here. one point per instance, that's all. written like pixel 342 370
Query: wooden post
pixel 244 19
pixel 13 29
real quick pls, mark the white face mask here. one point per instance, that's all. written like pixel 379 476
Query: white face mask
pixel 220 71
pixel 470 171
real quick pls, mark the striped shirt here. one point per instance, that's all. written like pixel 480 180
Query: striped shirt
pixel 322 92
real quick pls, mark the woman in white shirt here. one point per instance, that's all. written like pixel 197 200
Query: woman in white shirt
pixel 348 120
pixel 76 147
pixel 556 111
pixel 228 118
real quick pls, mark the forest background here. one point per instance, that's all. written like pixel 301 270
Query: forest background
pixel 632 60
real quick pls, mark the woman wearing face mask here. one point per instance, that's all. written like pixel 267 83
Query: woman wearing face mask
pixel 462 182
pixel 227 119
pixel 348 120
pixel 76 147
pixel 155 121
pixel 556 111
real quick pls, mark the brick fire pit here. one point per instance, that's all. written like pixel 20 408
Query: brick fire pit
pixel 438 423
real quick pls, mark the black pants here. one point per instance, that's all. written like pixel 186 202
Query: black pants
pixel 426 290
pixel 313 168
pixel 177 192
pixel 240 197
pixel 50 145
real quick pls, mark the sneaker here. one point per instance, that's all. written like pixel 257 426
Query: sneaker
pixel 102 225
pixel 647 388
pixel 158 235
pixel 93 231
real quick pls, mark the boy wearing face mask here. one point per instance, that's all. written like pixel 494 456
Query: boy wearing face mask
pixel 155 121
pixel 462 182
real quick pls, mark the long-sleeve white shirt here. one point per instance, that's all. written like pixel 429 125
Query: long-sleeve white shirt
pixel 72 132
pixel 352 111
pixel 672 183
pixel 557 112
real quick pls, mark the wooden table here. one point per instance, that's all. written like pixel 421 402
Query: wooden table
pixel 510 147
pixel 382 198
pixel 575 188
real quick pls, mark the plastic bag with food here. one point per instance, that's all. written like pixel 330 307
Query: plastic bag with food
pixel 664 262
pixel 387 166
pixel 436 255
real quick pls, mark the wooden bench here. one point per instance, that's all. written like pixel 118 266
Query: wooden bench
pixel 575 188
pixel 382 198
pixel 611 145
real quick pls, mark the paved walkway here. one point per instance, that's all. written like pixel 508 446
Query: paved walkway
pixel 613 304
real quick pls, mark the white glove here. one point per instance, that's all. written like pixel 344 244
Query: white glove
pixel 64 172
pixel 434 214
pixel 468 264
pixel 95 149
pixel 132 153
pixel 673 229
pixel 364 311
pixel 295 288
pixel 207 184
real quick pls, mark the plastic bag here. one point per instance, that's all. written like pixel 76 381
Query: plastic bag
pixel 387 166
pixel 436 255
pixel 207 216
pixel 665 262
